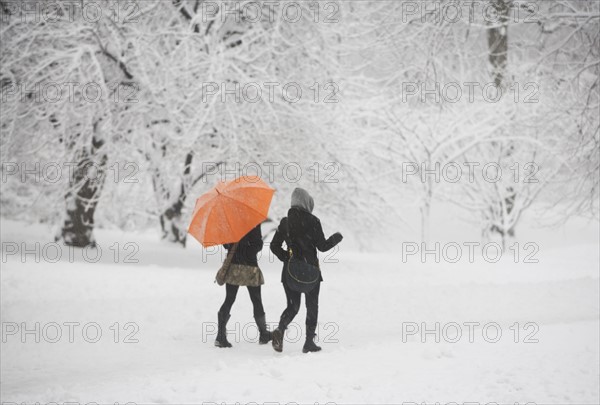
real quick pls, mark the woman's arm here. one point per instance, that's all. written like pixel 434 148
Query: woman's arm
pixel 326 244
pixel 277 242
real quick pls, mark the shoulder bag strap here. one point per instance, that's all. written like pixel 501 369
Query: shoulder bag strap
pixel 230 255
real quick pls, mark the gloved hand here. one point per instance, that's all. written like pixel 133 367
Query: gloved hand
pixel 337 237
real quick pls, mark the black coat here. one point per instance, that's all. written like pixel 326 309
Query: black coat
pixel 303 234
pixel 248 248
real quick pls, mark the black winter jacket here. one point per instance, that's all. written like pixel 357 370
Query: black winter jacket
pixel 303 234
pixel 248 248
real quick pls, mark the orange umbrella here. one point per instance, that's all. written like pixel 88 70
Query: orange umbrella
pixel 230 210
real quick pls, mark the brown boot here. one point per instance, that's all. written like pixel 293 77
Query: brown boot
pixel 277 340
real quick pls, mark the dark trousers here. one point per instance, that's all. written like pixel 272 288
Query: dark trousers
pixel 293 306
pixel 231 293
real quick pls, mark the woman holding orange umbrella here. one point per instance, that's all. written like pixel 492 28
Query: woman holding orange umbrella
pixel 244 271
pixel 230 214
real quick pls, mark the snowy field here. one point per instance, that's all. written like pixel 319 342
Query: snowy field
pixel 372 314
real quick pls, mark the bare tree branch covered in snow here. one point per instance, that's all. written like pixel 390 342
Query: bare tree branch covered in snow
pixel 184 91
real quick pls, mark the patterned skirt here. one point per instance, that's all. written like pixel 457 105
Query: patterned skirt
pixel 240 274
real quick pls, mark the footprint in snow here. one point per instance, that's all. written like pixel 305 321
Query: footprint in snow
pixel 275 373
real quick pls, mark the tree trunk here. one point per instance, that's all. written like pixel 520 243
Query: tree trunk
pixel 173 226
pixel 425 211
pixel 85 186
pixel 498 56
pixel 498 41
pixel 171 223
pixel 424 222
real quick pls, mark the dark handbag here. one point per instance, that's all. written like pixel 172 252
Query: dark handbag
pixel 301 276
pixel 222 273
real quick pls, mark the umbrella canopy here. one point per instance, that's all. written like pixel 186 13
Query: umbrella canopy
pixel 230 210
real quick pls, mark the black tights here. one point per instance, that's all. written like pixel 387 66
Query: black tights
pixel 232 293
pixel 293 306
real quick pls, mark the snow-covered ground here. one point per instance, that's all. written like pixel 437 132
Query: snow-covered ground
pixel 373 309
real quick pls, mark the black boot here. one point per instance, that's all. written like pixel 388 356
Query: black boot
pixel 277 340
pixel 265 336
pixel 309 345
pixel 221 340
